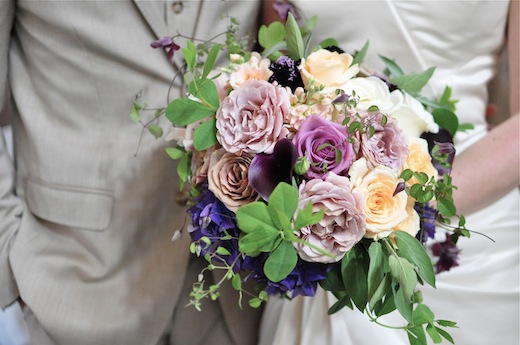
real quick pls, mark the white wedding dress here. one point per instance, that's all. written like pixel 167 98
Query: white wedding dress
pixel 462 39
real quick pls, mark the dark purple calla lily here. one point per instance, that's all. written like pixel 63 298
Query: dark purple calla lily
pixel 267 170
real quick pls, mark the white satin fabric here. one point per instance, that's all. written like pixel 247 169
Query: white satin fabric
pixel 462 39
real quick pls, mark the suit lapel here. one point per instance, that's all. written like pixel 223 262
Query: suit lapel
pixel 153 13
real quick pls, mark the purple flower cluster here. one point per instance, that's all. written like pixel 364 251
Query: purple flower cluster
pixel 212 219
pixel 427 217
pixel 448 254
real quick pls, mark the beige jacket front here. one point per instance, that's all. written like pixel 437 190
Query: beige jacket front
pixel 85 226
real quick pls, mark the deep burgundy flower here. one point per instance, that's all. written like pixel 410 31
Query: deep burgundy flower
pixel 285 72
pixel 169 46
pixel 448 254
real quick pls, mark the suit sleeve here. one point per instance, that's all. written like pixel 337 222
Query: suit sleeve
pixel 10 206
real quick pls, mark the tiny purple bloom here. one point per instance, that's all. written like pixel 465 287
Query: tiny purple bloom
pixel 283 9
pixel 169 46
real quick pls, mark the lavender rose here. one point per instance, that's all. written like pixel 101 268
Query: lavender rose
pixel 251 118
pixel 388 145
pixel 227 179
pixel 343 224
pixel 320 140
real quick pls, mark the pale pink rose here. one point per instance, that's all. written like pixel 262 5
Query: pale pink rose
pixel 223 86
pixel 254 69
pixel 251 118
pixel 419 160
pixel 183 136
pixel 329 69
pixel 227 179
pixel 343 224
pixel 383 210
pixel 387 146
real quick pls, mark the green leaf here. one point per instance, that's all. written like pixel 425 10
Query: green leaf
pixel 413 82
pixel 269 36
pixel 305 217
pixel 403 305
pixel 333 281
pixel 375 268
pixel 360 55
pixel 446 207
pixel 222 251
pixel 190 55
pixel 185 111
pixel 387 306
pixel 403 272
pixel 406 174
pixel 340 304
pixel 255 302
pixel 206 91
pixel 255 215
pixel 416 335
pixel 328 42
pixel 175 153
pixel 155 130
pixel 445 335
pixel 384 289
pixel 354 269
pixel 447 323
pixel 422 314
pixel 260 240
pixel 205 135
pixel 465 127
pixel 281 262
pixel 293 38
pixel 432 332
pixel 236 282
pixel 446 119
pixel 392 66
pixel 135 114
pixel 412 250
pixel 284 198
pixel 183 169
pixel 210 60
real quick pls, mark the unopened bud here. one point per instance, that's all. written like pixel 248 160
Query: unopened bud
pixel 302 165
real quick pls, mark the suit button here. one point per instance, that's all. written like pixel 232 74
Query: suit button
pixel 177 7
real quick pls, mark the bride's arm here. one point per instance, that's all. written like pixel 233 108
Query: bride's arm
pixel 490 168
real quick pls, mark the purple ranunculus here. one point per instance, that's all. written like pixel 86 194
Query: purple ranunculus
pixel 326 146
pixel 387 146
pixel 448 254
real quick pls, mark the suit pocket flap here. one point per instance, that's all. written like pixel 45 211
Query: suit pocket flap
pixel 79 208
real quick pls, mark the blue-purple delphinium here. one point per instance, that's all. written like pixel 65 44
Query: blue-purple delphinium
pixel 427 217
pixel 285 73
pixel 212 219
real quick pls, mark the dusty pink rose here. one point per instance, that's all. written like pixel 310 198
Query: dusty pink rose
pixel 388 145
pixel 227 179
pixel 343 224
pixel 251 118
pixel 200 164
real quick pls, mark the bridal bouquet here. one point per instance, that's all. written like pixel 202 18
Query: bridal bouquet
pixel 305 168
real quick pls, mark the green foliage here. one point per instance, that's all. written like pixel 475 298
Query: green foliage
pixel 360 55
pixel 294 39
pixel 205 135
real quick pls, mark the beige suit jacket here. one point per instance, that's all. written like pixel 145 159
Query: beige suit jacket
pixel 85 226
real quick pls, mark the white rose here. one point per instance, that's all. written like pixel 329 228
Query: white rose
pixel 373 91
pixel 413 119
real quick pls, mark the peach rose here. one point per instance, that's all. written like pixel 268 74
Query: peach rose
pixel 412 223
pixel 419 159
pixel 329 69
pixel 227 179
pixel 383 210
pixel 254 69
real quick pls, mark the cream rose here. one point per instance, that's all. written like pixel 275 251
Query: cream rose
pixel 413 119
pixel 383 210
pixel 372 91
pixel 227 179
pixel 419 159
pixel 329 69
pixel 254 69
